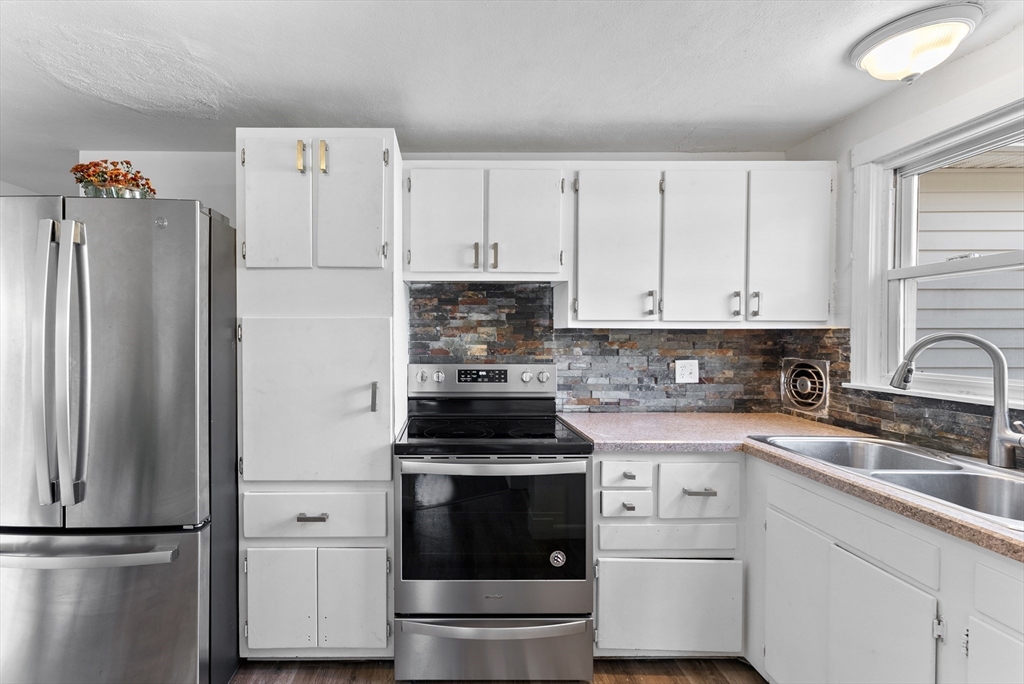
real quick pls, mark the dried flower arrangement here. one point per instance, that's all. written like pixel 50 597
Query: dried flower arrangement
pixel 105 178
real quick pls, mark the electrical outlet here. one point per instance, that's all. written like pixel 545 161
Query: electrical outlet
pixel 687 371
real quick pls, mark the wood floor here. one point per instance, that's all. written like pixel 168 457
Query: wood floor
pixel 605 672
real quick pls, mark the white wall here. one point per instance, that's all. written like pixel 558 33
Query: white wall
pixel 206 176
pixel 8 189
pixel 930 99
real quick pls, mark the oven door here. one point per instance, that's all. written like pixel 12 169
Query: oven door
pixel 486 535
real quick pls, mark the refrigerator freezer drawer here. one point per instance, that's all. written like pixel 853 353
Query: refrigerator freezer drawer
pixel 495 648
pixel 130 608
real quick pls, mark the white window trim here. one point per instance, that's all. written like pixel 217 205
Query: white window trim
pixel 874 204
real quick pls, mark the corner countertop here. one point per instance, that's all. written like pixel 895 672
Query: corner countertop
pixel 662 432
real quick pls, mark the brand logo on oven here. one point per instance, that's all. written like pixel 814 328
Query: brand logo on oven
pixel 493 596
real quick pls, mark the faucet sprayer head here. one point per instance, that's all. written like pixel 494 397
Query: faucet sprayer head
pixel 903 375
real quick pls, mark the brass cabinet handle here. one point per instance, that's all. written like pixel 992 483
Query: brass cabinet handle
pixel 476 255
pixel 300 156
pixel 323 156
pixel 495 264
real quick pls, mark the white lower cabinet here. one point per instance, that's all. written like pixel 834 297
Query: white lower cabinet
pixel 316 597
pixel 995 656
pixel 660 604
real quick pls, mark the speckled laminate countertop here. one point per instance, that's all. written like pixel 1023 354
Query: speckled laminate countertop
pixel 731 432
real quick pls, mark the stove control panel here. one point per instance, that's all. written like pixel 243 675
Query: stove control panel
pixel 494 379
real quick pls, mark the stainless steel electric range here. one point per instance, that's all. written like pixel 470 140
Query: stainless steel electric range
pixel 493 529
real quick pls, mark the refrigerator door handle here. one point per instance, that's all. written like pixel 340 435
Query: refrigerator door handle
pixel 161 554
pixel 71 232
pixel 48 234
pixel 85 362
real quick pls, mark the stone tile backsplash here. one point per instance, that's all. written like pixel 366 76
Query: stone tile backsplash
pixel 631 370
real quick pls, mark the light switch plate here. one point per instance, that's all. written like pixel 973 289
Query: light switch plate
pixel 687 371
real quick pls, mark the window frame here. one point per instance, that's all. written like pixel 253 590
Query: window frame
pixel 885 197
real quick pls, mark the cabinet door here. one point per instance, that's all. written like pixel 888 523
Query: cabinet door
pixel 316 398
pixel 704 255
pixel 880 627
pixel 796 604
pixel 524 221
pixel 281 598
pixel 789 278
pixel 670 605
pixel 278 203
pixel 618 245
pixel 683 490
pixel 446 220
pixel 350 202
pixel 353 599
pixel 993 656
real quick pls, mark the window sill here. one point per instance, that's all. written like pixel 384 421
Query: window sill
pixel 1014 402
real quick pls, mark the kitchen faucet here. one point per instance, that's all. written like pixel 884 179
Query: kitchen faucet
pixel 1003 438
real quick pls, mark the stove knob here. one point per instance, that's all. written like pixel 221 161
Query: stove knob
pixel 422 376
pixel 543 376
pixel 527 376
pixel 438 376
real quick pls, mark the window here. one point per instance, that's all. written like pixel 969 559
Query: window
pixel 957 264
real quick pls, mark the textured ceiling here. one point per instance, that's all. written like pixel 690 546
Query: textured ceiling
pixel 492 76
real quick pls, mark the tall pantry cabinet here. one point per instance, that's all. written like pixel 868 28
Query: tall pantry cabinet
pixel 320 345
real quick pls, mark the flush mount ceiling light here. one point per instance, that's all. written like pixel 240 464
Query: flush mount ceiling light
pixel 908 47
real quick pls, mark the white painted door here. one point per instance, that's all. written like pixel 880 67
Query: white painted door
pixel 281 598
pixel 618 245
pixel 880 627
pixel 353 598
pixel 446 220
pixel 796 603
pixel 656 604
pixel 993 656
pixel 350 202
pixel 705 245
pixel 524 221
pixel 278 203
pixel 316 398
pixel 789 278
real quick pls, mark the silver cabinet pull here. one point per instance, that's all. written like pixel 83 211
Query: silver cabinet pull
pixel 707 491
pixel 739 298
pixel 476 255
pixel 303 518
pixel 48 235
pixel 495 247
pixel 653 294
pixel 629 475
pixel 161 554
pixel 628 506
pixel 373 397
pixel 760 300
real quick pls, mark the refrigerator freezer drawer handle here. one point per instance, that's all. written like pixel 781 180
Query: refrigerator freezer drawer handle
pixel 161 554
pixel 494 633
pixel 44 478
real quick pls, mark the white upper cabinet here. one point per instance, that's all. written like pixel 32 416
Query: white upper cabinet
pixel 316 399
pixel 704 250
pixel 618 245
pixel 446 219
pixel 524 221
pixel 278 203
pixel 790 233
pixel 350 202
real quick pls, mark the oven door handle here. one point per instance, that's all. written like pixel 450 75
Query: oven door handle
pixel 484 469
pixel 494 633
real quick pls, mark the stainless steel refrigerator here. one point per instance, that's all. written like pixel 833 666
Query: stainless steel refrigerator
pixel 118 518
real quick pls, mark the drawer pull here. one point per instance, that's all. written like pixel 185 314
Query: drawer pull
pixel 628 475
pixel 628 506
pixel 707 491
pixel 302 517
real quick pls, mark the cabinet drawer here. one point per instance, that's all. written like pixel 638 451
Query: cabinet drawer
pixel 627 474
pixel 617 504
pixel 698 490
pixel 349 514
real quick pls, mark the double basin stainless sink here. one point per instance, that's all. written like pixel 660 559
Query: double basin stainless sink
pixel 982 489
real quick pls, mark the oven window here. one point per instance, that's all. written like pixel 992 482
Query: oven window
pixel 472 527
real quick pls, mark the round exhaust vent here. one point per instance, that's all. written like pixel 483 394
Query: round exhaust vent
pixel 805 384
